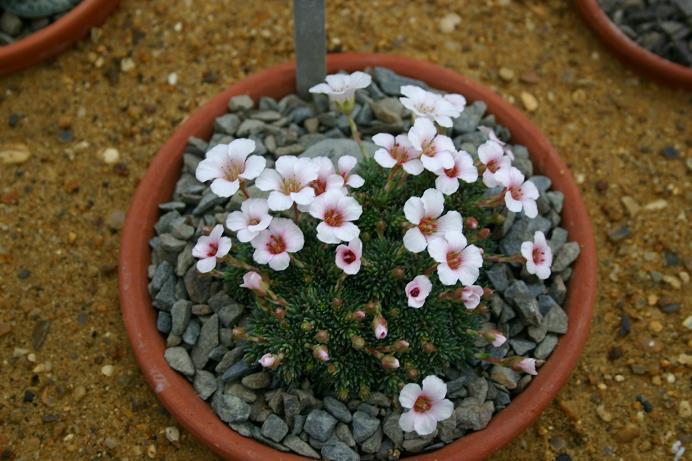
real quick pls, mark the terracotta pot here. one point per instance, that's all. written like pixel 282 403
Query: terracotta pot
pixel 178 396
pixel 644 61
pixel 55 38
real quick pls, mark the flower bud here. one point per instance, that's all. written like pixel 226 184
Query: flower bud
pixel 357 342
pixel 398 273
pixel 380 227
pixel 379 327
pixel 238 333
pixel 269 360
pixel 331 369
pixel 253 281
pixel 320 353
pixel 429 347
pixel 389 362
pixel 279 313
pixel 527 365
pixel 307 325
pixel 471 223
pixel 401 346
pixel 337 303
pixel 487 293
pixel 484 233
pixel 412 374
pixel 494 337
pixel 322 336
pixel 358 315
pixel 372 306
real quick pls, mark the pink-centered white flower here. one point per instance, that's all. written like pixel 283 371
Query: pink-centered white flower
pixel 344 166
pixel 538 255
pixel 342 87
pixel 268 360
pixel 519 194
pixel 429 105
pixel 426 406
pixel 417 290
pixel 289 183
pixel 336 211
pixel 493 157
pixel 493 137
pixel 348 257
pixel 252 281
pixel 327 178
pixel 425 213
pixel 252 219
pixel 435 149
pixel 379 327
pixel 471 296
pixel 495 338
pixel 273 245
pixel 456 260
pixel 211 247
pixel 448 179
pixel 397 151
pixel 321 353
pixel 228 164
pixel 526 365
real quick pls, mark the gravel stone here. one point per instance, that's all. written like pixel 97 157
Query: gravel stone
pixel 274 428
pixel 474 415
pixel 163 322
pixel 364 426
pixel 208 340
pixel 241 392
pixel 519 295
pixel 566 256
pixel 237 371
pixel 192 332
pixel 180 316
pixel 257 380
pixel 230 408
pixel 391 83
pixel 241 102
pixel 319 424
pixel 198 286
pixel 299 446
pixel 545 348
pixel 373 443
pixel 393 430
pixel 505 376
pixel 338 409
pixel 229 314
pixel 521 346
pixel 204 384
pixel 338 451
pixel 343 433
pixel 178 359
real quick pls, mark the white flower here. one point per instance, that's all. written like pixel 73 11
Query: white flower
pixel 348 257
pixel 519 194
pixel 429 105
pixel 289 183
pixel 427 406
pixel 447 180
pixel 379 327
pixel 538 255
pixel 342 87
pixel 397 151
pixel 456 260
pixel 345 164
pixel 493 137
pixel 210 248
pixel 471 296
pixel 492 156
pixel 457 101
pixel 228 164
pixel 336 211
pixel 252 281
pixel 425 213
pixel 436 149
pixel 417 290
pixel 273 245
pixel 268 360
pixel 327 178
pixel 527 366
pixel 252 219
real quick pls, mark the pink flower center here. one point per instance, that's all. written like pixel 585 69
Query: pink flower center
pixel 290 185
pixel 493 166
pixel 415 292
pixel 454 260
pixel 538 255
pixel 253 222
pixel 232 171
pixel 333 217
pixel 517 193
pixel 428 225
pixel 452 172
pixel 319 185
pixel 349 257
pixel 276 245
pixel 422 404
pixel 213 249
pixel 429 148
pixel 399 154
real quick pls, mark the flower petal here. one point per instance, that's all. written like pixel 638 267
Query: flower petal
pixel 269 180
pixel 206 265
pixel 414 210
pixel 409 394
pixel 414 240
pixel 254 165
pixel 434 388
pixel 224 188
pixel 280 262
pixel 278 201
pixel 433 202
pixel 407 421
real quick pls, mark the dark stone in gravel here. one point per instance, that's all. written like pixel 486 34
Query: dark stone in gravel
pixel 238 370
pixel 625 325
pixel 520 296
pixel 274 428
pixel 207 341
pixel 338 451
pixel 178 359
pixel 338 409
pixel 372 444
pixel 230 408
pixel 364 425
pixel 192 332
pixel 320 425
pixel 670 152
pixel 229 359
pixel 393 430
pixel 521 346
pixel 566 256
pixel 257 380
pixel 180 316
pixel 545 348
pixel 619 234
pixel 391 83
pixel 645 404
pixel 474 415
pixel 500 276
pixel 163 322
pixel 299 446
pixel 204 384
pixel 198 285
pixel 230 313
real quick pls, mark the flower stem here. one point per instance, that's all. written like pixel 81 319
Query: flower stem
pixel 390 178
pixel 356 136
pixel 515 259
pixel 243 188
pixel 492 202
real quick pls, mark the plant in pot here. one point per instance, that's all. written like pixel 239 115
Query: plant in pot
pixel 373 297
pixel 34 30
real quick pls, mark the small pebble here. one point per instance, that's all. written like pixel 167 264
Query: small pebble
pixel 110 155
pixel 107 370
pixel 506 74
pixel 529 101
pixel 449 22
pixel 172 434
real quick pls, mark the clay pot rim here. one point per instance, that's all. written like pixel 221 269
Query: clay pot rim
pixel 55 38
pixel 178 396
pixel 644 61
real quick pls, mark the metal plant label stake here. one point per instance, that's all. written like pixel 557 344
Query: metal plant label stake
pixel 311 44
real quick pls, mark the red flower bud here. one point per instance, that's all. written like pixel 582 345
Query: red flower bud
pixel 471 223
pixel 398 273
pixel 389 362
pixel 320 353
pixel 484 233
pixel 322 337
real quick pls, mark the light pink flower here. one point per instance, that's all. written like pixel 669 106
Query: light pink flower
pixel 417 290
pixel 228 164
pixel 252 281
pixel 429 105
pixel 321 353
pixel 436 149
pixel 342 87
pixel 496 338
pixel 272 246
pixel 397 151
pixel 492 156
pixel 336 211
pixel 268 360
pixel 379 327
pixel 456 260
pixel 252 219
pixel 344 165
pixel 389 362
pixel 519 194
pixel 424 212
pixel 447 180
pixel 327 178
pixel 348 257
pixel 471 296
pixel 289 182
pixel 427 406
pixel 493 137
pixel 211 247
pixel 527 366
pixel 456 100
pixel 538 255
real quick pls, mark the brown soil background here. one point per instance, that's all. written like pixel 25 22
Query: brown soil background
pixel 59 210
